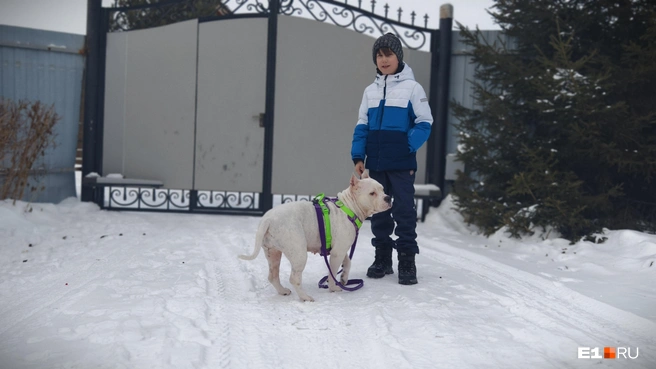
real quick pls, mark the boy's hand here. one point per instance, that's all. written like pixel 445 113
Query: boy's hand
pixel 359 168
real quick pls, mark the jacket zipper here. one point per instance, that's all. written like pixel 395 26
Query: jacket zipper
pixel 380 119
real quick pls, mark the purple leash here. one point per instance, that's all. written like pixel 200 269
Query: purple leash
pixel 325 252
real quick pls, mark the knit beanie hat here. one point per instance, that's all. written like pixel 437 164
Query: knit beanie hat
pixel 392 42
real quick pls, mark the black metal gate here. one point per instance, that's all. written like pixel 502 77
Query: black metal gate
pixel 135 196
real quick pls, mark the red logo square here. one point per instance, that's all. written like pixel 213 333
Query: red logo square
pixel 609 353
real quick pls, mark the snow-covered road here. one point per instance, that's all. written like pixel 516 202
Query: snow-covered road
pixel 83 288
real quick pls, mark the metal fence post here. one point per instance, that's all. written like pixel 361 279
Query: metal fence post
pixel 431 156
pixel 272 39
pixel 91 90
pixel 441 98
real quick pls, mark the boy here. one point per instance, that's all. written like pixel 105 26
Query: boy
pixel 394 121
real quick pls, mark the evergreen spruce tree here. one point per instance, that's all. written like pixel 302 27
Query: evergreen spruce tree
pixel 564 132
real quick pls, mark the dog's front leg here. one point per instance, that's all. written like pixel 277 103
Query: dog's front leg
pixel 346 266
pixel 335 261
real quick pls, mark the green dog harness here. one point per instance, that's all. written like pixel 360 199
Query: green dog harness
pixel 320 200
pixel 325 234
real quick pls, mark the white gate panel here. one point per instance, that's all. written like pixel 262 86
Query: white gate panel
pixel 231 96
pixel 321 73
pixel 150 132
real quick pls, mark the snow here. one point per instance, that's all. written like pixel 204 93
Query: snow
pixel 54 46
pixel 85 288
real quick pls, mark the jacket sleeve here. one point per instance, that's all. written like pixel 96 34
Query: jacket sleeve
pixel 359 143
pixel 423 119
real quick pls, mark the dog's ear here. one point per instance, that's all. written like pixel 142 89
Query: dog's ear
pixel 354 180
pixel 365 174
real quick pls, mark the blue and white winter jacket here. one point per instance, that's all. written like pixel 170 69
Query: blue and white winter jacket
pixel 394 121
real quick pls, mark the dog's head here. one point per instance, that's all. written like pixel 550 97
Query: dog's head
pixel 369 195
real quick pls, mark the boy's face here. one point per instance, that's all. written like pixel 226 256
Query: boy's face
pixel 386 61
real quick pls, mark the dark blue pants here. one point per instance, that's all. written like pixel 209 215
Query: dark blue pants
pixel 400 185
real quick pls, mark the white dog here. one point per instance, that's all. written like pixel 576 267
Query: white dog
pixel 293 229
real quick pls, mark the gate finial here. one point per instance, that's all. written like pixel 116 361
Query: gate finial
pixel 446 11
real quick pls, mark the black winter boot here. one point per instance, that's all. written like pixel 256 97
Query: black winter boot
pixel 382 263
pixel 407 268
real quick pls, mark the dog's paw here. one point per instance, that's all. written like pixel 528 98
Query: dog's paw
pixel 285 292
pixel 334 289
pixel 307 298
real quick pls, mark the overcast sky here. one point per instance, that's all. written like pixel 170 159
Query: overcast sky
pixel 70 15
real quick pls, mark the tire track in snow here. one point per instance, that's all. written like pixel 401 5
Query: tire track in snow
pixel 546 304
pixel 252 294
pixel 403 357
pixel 218 354
pixel 229 349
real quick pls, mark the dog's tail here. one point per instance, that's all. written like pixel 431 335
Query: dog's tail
pixel 259 240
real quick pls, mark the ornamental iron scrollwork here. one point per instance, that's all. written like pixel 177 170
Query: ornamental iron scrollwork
pixel 245 6
pixel 148 198
pixel 227 200
pixel 135 14
pixel 362 21
pixel 140 198
pixel 172 200
pixel 293 198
